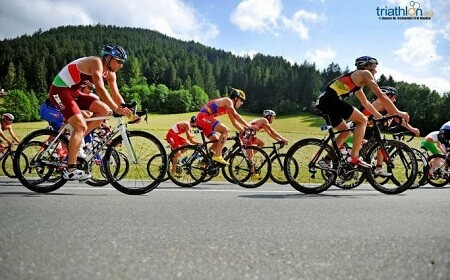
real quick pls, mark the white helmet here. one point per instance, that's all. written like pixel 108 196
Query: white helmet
pixel 267 113
pixel 8 116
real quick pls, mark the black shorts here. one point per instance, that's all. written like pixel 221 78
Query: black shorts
pixel 337 109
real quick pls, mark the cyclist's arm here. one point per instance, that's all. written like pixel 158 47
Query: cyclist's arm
pixel 2 135
pixel 13 135
pixel 189 135
pixel 366 104
pixel 236 119
pixel 273 133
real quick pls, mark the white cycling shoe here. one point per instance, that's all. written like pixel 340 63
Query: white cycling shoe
pixel 76 174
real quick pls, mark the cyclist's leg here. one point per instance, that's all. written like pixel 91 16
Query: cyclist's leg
pixel 92 104
pixel 358 134
pixel 224 133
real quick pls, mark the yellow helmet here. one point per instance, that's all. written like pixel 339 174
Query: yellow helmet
pixel 237 93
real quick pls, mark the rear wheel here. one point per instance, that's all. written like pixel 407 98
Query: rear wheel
pixel 277 175
pixel 190 168
pixel 316 163
pixel 37 161
pixel 439 175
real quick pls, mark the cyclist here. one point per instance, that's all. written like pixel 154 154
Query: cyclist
pixel 175 140
pixel 432 144
pixel 392 94
pixel 214 108
pixel 64 93
pixel 268 116
pixel 6 125
pixel 331 102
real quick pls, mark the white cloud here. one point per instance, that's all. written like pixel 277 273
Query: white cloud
pixel 257 15
pixel 173 17
pixel 321 57
pixel 435 83
pixel 419 47
pixel 298 20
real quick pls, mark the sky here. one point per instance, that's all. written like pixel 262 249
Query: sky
pixel 410 48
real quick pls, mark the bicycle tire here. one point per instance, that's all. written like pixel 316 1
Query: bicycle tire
pixel 439 177
pixel 277 175
pixel 422 169
pixel 7 164
pixel 404 170
pixel 306 153
pixel 191 171
pixel 99 178
pixel 240 167
pixel 135 180
pixel 151 162
pixel 39 175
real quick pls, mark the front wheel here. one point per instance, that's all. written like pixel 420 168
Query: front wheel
pixel 439 175
pixel 401 164
pixel 277 175
pixel 250 167
pixel 7 164
pixel 133 177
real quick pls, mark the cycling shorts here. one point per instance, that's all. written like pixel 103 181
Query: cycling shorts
pixel 337 109
pixel 70 101
pixel 430 146
pixel 206 123
pixel 175 140
pixel 52 115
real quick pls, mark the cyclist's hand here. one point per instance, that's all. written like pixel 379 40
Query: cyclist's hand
pixel 285 141
pixel 416 131
pixel 123 111
pixel 404 116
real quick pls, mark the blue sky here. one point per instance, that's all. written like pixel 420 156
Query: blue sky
pixel 318 31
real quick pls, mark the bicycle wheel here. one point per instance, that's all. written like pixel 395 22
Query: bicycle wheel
pixel 403 169
pixel 316 163
pixel 154 161
pixel 422 169
pixel 97 169
pixel 277 175
pixel 38 165
pixel 250 167
pixel 133 178
pixel 438 176
pixel 7 164
pixel 191 166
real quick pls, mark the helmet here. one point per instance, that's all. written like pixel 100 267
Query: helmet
pixel 364 60
pixel 115 51
pixel 392 91
pixel 193 119
pixel 237 93
pixel 8 116
pixel 268 113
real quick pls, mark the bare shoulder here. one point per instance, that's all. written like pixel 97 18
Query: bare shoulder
pixel 362 77
pixel 224 102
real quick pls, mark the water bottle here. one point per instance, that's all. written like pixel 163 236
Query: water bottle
pixel 184 160
pixel 325 127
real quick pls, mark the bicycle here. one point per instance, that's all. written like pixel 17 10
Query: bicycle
pixel 43 154
pixel 318 156
pixel 249 166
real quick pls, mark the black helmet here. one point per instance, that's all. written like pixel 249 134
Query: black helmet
pixel 391 91
pixel 115 51
pixel 364 60
pixel 237 93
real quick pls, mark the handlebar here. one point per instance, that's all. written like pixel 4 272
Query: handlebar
pixel 386 120
pixel 401 135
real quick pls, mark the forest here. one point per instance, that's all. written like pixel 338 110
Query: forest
pixel 167 75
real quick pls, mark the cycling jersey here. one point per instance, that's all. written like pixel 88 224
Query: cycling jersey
pixel 206 117
pixel 173 136
pixel 71 77
pixel 343 86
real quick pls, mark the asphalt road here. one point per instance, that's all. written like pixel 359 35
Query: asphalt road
pixel 222 231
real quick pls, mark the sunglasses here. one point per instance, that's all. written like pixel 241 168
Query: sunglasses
pixel 120 62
